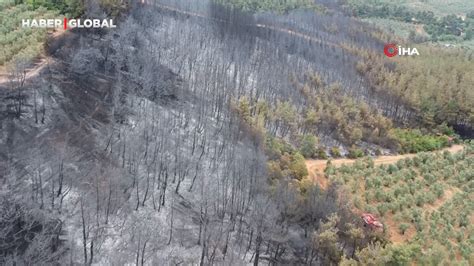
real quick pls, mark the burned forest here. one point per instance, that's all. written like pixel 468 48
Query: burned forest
pixel 235 132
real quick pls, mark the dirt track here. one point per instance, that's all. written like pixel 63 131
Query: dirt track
pixel 36 67
pixel 31 72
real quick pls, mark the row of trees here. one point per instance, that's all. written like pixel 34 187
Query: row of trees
pixel 401 193
pixel 329 112
pixel 70 8
pixel 16 42
pixel 431 89
pixel 76 8
pixel 436 27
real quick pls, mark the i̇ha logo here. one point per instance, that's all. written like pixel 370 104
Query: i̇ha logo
pixel 68 23
pixel 392 50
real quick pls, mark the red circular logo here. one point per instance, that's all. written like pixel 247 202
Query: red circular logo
pixel 390 50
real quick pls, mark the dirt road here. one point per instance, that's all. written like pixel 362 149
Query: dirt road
pixel 316 167
pixel 35 68
pixel 31 72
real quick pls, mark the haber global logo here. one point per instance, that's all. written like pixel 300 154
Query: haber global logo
pixel 392 50
pixel 68 23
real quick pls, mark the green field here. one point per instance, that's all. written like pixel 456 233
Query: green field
pixel 399 28
pixel 425 202
pixel 441 21
pixel 17 42
pixel 439 7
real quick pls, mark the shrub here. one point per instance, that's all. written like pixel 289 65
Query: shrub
pixel 400 164
pixel 389 197
pixel 430 197
pixel 419 200
pixel 402 203
pixel 438 190
pixel 370 209
pixel 370 163
pixel 447 172
pixel 382 208
pixel 429 178
pixel 275 148
pixel 412 187
pixel 378 152
pixel 321 154
pixel 416 161
pixel 335 152
pixel 368 183
pixel 394 207
pixel 419 225
pixel 392 169
pixel 463 220
pixel 413 141
pixel 307 146
pixel 274 170
pixel 386 180
pixel 379 195
pixel 466 251
pixel 355 153
pixel 357 203
pixel 409 175
pixel 403 254
pixel 398 176
pixel 403 228
pixel 368 197
pixel 376 181
pixel 359 165
pixel 284 161
pixel 445 130
pixel 397 191
pixel 329 170
pixel 298 166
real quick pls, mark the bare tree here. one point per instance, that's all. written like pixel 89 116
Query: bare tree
pixel 17 79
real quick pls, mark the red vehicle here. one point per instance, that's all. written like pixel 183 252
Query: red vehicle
pixel 370 220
